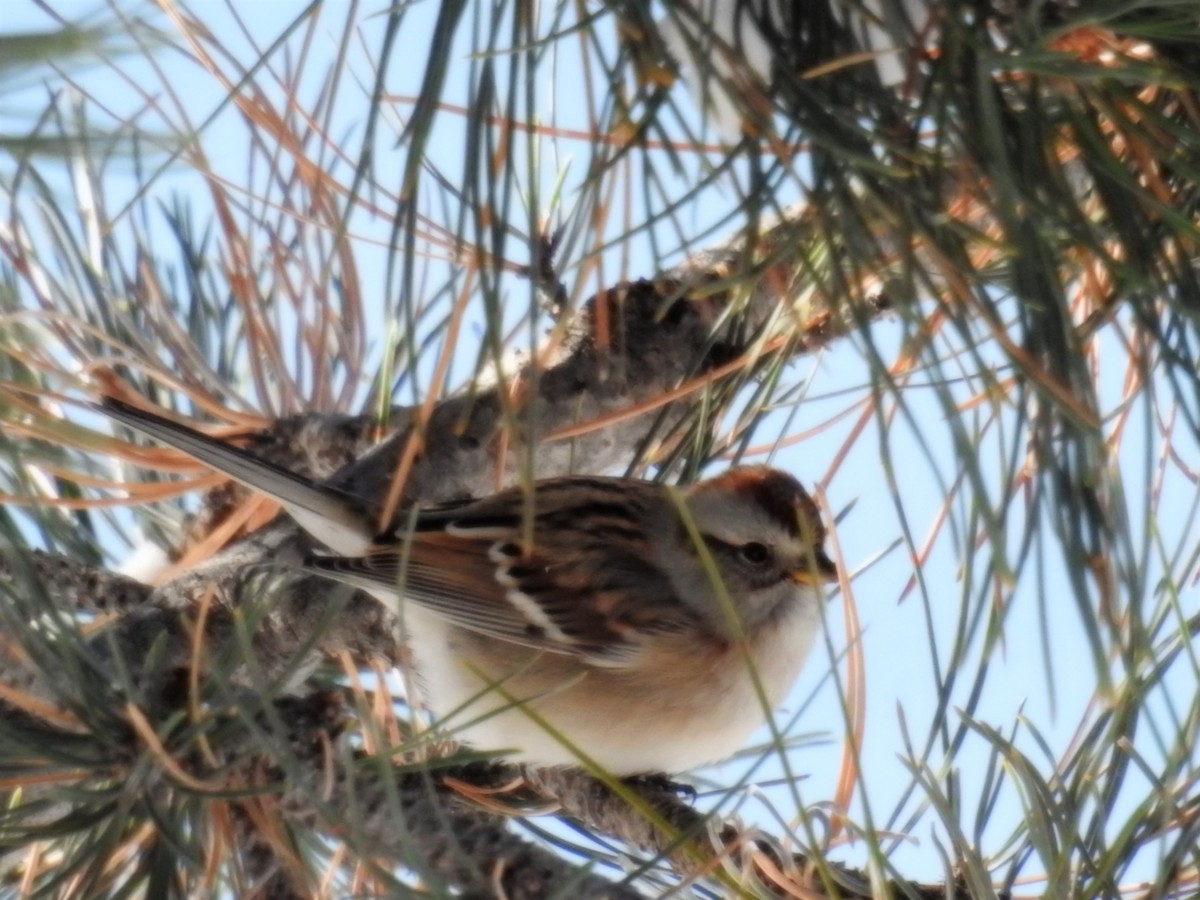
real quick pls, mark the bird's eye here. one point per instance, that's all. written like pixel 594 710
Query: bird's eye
pixel 755 553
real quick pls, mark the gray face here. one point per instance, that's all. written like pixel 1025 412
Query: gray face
pixel 757 532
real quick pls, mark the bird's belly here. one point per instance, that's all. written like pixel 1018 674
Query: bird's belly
pixel 671 712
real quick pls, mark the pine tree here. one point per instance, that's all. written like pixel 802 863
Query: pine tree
pixel 939 261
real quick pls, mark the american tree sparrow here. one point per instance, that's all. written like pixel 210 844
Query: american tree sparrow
pixel 650 628
pixel 720 43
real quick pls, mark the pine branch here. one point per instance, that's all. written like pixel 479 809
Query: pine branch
pixel 719 317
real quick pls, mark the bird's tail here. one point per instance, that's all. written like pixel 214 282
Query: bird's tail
pixel 337 519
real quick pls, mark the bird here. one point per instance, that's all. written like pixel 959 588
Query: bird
pixel 599 621
pixel 733 50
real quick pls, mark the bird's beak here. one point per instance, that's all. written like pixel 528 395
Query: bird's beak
pixel 819 569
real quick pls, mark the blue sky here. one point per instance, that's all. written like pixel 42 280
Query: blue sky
pixel 922 453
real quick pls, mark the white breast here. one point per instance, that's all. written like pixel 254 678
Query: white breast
pixel 628 721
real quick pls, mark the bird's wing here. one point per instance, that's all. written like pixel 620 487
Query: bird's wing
pixel 566 570
pixel 335 518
